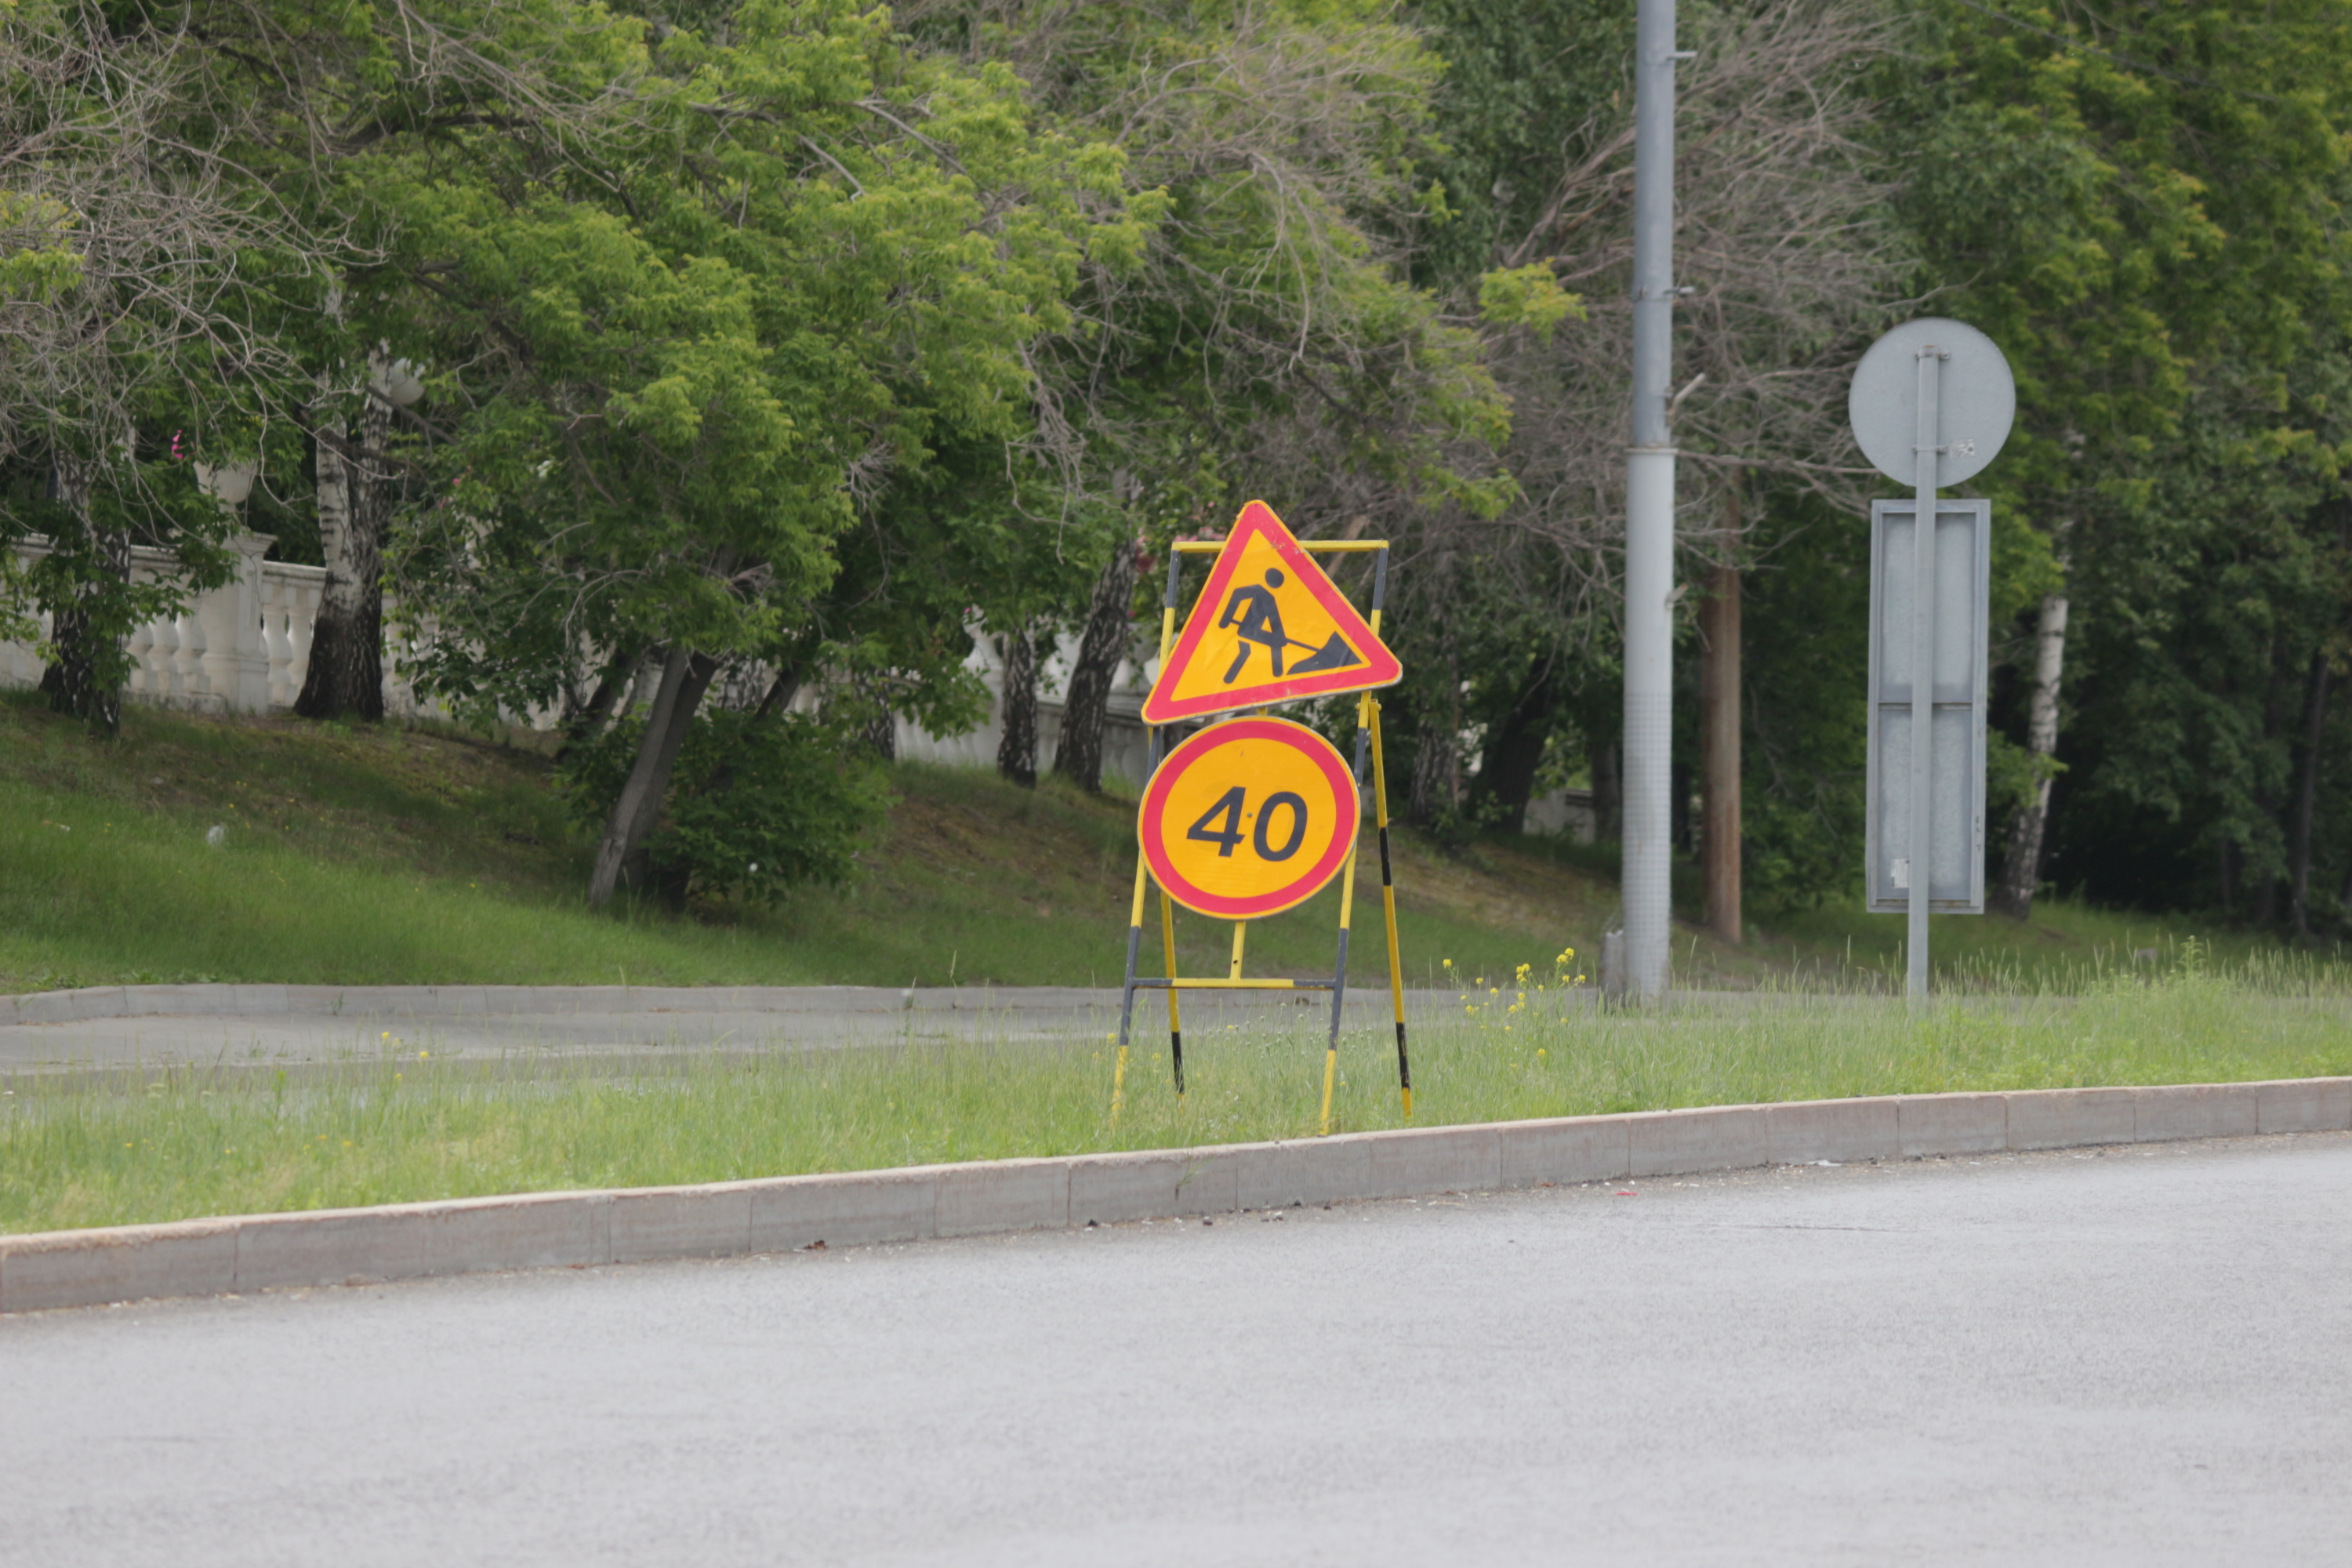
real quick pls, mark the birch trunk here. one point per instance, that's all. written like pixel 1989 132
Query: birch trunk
pixel 2022 868
pixel 82 681
pixel 1016 753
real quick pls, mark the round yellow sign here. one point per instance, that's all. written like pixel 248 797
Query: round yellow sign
pixel 1248 819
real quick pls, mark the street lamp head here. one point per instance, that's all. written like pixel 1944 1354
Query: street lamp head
pixel 402 386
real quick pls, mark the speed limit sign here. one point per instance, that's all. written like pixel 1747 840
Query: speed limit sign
pixel 1248 819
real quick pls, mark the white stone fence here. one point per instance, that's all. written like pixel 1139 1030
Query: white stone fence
pixel 242 648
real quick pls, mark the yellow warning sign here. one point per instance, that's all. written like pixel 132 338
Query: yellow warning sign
pixel 1269 627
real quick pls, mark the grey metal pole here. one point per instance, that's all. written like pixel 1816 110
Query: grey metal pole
pixel 1925 449
pixel 1650 517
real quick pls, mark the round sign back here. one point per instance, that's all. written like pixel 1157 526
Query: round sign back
pixel 1976 398
pixel 1248 819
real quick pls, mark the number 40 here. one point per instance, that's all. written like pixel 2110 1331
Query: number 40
pixel 1229 808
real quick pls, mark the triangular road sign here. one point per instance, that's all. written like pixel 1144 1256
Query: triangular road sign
pixel 1269 627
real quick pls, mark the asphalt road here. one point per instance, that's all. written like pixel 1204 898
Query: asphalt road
pixel 610 1026
pixel 2140 1357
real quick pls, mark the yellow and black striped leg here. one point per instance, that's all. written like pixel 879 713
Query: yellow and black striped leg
pixel 1175 1018
pixel 1127 992
pixel 1339 987
pixel 1388 908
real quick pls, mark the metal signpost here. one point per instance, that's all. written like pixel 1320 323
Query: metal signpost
pixel 1932 402
pixel 1254 815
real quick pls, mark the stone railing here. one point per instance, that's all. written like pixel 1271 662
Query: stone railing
pixel 242 648
pixel 245 647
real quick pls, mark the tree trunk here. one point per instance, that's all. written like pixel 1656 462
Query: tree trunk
pixel 592 719
pixel 2021 871
pixel 1437 759
pixel 2306 796
pixel 2264 888
pixel 1718 743
pixel 346 673
pixel 1016 753
pixel 1085 710
pixel 1506 773
pixel 781 690
pixel 1681 781
pixel 686 675
pixel 1608 798
pixel 82 681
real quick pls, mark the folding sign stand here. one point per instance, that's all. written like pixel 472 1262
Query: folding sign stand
pixel 1333 655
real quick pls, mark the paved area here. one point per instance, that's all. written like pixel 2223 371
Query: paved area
pixel 256 1026
pixel 2140 1356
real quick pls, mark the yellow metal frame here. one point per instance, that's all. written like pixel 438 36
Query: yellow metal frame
pixel 1368 749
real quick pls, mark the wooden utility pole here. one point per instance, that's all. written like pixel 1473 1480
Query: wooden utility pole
pixel 1718 731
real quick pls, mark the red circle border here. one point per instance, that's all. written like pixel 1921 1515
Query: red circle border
pixel 1172 768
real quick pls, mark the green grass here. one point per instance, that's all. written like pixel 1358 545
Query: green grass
pixel 1839 944
pixel 356 858
pixel 360 855
pixel 190 1143
pixel 392 855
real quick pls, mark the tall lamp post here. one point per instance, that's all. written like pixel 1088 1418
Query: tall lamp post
pixel 1647 875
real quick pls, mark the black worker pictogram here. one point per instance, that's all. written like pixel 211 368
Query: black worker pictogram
pixel 1255 617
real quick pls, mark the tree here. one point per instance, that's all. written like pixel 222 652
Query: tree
pixel 1788 245
pixel 137 321
pixel 2127 199
pixel 1270 340
pixel 798 257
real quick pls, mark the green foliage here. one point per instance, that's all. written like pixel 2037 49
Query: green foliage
pixel 758 804
pixel 1528 297
pixel 1805 613
pixel 2143 206
pixel 1530 86
pixel 37 262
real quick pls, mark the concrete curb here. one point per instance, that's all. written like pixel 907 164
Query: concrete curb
pixel 542 1230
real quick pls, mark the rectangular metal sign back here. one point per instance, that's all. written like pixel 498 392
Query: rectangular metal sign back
pixel 1955 852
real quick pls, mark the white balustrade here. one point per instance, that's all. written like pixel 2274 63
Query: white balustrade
pixel 192 688
pixel 299 590
pixel 245 647
pixel 139 644
pixel 276 642
pixel 218 653
pixel 163 660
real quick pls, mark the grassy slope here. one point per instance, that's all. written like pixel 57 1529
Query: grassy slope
pixel 388 855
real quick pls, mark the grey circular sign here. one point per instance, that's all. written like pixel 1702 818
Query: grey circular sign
pixel 1976 397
